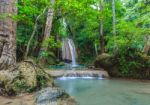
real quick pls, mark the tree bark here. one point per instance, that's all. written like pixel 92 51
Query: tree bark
pixel 147 46
pixel 47 32
pixel 48 25
pixel 114 17
pixel 114 24
pixel 101 31
pixel 7 34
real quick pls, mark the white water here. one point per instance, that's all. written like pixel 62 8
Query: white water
pixel 71 78
pixel 73 52
pixel 69 51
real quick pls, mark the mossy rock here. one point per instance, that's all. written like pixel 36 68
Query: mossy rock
pixel 104 61
pixel 27 77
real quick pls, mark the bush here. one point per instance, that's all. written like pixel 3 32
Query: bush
pixel 132 62
pixel 127 62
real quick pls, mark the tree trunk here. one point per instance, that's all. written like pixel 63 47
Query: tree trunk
pixel 48 25
pixel 114 24
pixel 101 31
pixel 47 32
pixel 147 46
pixel 114 17
pixel 7 34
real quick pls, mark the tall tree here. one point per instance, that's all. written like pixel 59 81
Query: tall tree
pixel 48 25
pixel 147 46
pixel 114 17
pixel 114 23
pixel 7 34
pixel 101 30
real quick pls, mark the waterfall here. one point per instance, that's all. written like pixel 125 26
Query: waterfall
pixel 69 51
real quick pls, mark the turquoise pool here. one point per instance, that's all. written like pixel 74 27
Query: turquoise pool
pixel 107 92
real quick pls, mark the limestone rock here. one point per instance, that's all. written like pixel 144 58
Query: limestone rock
pixel 27 77
pixel 104 61
pixel 28 72
pixel 53 96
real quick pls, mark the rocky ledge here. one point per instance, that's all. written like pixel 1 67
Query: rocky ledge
pixel 78 73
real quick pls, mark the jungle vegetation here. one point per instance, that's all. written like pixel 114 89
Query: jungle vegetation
pixel 118 29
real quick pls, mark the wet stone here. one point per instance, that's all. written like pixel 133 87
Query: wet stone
pixel 48 96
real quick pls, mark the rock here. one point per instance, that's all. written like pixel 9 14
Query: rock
pixel 103 61
pixel 53 96
pixel 68 101
pixel 6 78
pixel 47 95
pixel 28 72
pixel 27 77
pixel 128 63
pixel 78 73
pixel 6 75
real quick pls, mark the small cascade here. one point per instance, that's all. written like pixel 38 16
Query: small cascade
pixel 69 52
pixel 84 75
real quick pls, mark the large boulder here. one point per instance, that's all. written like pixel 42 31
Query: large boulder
pixel 27 77
pixel 104 61
pixel 28 73
pixel 53 96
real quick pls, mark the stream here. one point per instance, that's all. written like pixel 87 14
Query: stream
pixel 107 91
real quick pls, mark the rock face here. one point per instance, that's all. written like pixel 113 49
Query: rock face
pixel 53 96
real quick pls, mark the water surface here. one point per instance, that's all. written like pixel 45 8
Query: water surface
pixel 107 92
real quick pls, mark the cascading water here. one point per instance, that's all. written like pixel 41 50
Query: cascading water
pixel 69 51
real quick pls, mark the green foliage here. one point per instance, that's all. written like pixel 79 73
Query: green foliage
pixel 131 62
pixel 80 20
pixel 28 10
pixel 41 81
pixel 128 60
pixel 51 43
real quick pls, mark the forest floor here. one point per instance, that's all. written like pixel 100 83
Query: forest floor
pixel 24 99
